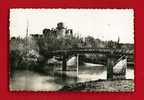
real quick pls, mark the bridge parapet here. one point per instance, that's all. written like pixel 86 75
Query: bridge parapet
pixel 107 51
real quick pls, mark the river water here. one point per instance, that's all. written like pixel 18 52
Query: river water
pixel 56 79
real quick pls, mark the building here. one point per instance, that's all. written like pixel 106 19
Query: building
pixel 62 31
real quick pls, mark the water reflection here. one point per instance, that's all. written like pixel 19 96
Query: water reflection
pixel 56 79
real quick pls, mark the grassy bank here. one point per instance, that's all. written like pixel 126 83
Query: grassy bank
pixel 102 85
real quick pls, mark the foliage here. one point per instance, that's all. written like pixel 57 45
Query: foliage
pixel 50 40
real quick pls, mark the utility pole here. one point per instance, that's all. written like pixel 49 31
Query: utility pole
pixel 77 63
pixel 27 36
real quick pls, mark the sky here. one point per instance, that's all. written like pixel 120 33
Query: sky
pixel 105 24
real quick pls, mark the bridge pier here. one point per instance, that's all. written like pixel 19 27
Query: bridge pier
pixel 110 64
pixel 64 64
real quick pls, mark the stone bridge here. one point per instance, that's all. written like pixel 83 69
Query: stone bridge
pixel 111 54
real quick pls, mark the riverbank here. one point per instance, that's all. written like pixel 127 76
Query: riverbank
pixel 102 85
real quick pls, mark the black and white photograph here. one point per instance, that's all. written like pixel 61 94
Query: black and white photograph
pixel 84 50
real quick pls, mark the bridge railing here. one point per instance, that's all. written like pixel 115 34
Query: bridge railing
pixel 94 50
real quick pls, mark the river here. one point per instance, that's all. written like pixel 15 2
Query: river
pixel 56 79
